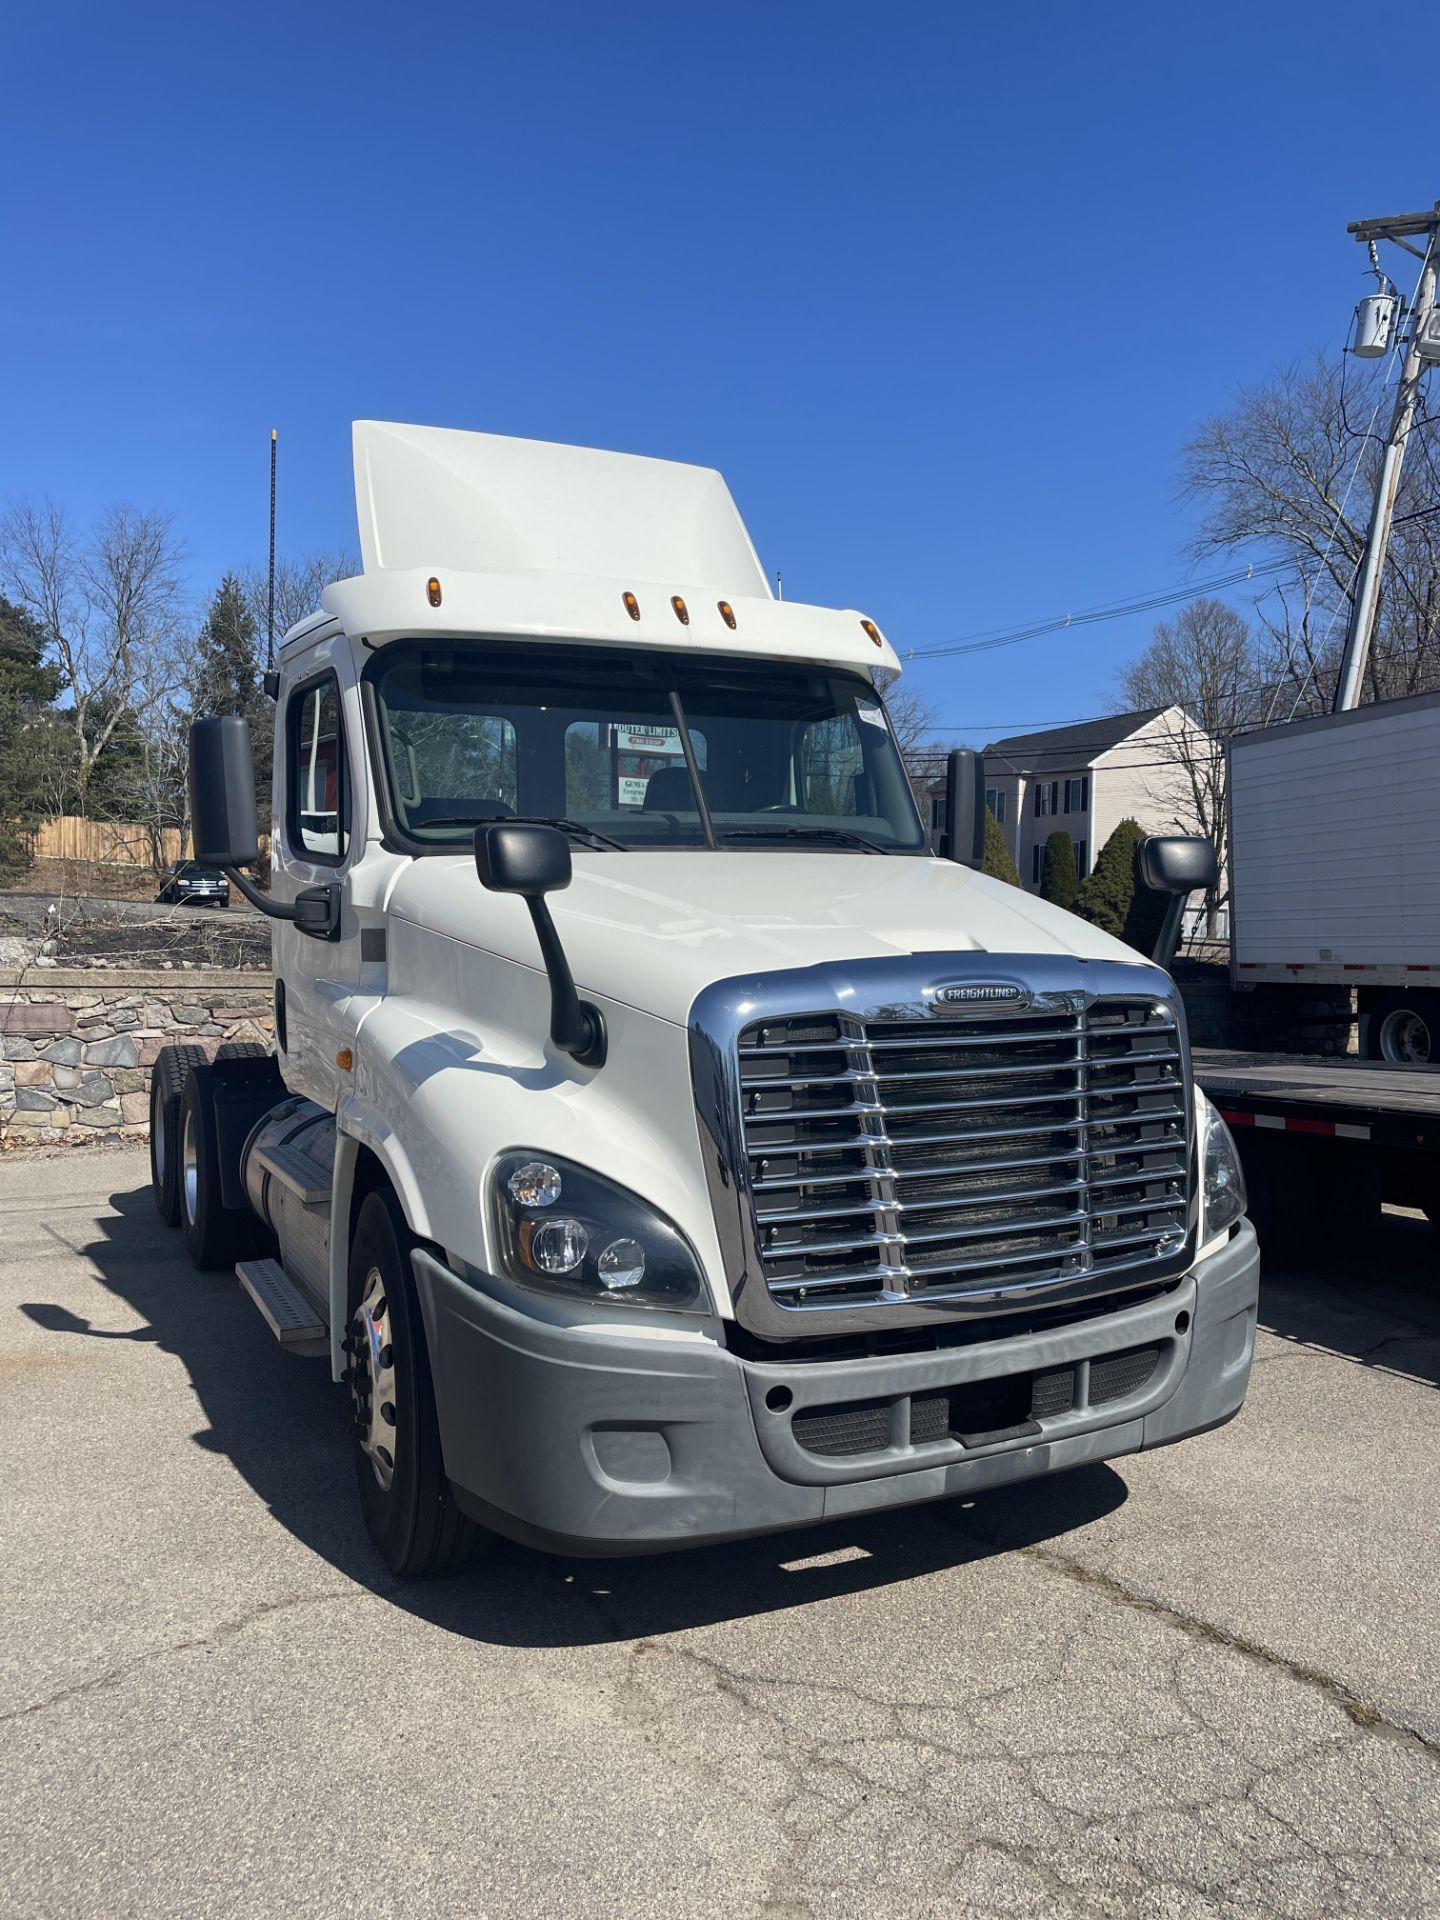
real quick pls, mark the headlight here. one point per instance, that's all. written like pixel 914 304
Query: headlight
pixel 566 1230
pixel 1222 1184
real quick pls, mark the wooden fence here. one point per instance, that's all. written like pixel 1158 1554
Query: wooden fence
pixel 111 843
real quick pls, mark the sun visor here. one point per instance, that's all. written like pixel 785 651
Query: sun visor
pixel 435 498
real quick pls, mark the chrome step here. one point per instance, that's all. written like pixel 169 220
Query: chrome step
pixel 290 1314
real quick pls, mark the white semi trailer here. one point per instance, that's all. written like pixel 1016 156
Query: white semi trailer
pixel 1335 848
pixel 660 1142
pixel 1335 877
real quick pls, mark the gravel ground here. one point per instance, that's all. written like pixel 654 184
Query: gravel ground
pixel 1205 1682
pixel 131 933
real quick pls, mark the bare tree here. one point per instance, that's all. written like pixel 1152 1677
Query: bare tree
pixel 1290 470
pixel 912 721
pixel 1203 663
pixel 298 586
pixel 110 603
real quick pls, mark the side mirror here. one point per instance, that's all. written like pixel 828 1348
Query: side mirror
pixel 517 856
pixel 222 793
pixel 223 828
pixel 1177 864
pixel 964 839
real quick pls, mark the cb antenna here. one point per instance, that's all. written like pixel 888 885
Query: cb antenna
pixel 270 606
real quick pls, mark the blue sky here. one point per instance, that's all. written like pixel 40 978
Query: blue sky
pixel 942 289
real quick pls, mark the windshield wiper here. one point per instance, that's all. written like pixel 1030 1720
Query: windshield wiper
pixel 842 834
pixel 575 828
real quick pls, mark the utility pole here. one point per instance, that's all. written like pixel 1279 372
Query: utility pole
pixel 1402 230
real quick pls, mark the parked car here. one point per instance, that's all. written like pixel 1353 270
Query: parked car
pixel 195 885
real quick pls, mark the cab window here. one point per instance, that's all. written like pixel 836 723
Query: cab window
pixel 315 773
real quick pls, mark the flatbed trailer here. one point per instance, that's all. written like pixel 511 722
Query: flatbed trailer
pixel 1324 1142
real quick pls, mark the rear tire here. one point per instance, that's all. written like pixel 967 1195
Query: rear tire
pixel 167 1085
pixel 202 1218
pixel 407 1501
pixel 1402 1027
pixel 216 1236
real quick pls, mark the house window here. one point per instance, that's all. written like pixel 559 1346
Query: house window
pixel 995 801
pixel 1077 795
pixel 1035 853
pixel 1047 798
pixel 1079 859
pixel 937 812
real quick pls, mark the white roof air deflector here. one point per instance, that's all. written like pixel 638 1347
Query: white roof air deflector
pixel 434 498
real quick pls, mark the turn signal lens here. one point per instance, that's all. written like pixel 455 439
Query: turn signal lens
pixel 632 605
pixel 727 613
pixel 345 1059
pixel 682 612
pixel 873 631
pixel 432 591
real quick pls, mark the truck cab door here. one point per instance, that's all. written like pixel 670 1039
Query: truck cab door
pixel 314 844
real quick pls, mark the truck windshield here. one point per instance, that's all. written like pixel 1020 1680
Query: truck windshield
pixel 788 756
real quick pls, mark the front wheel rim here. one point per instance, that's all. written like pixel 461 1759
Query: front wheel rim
pixel 190 1166
pixel 372 1379
pixel 1405 1038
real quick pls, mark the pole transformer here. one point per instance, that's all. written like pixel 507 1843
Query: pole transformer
pixel 1404 228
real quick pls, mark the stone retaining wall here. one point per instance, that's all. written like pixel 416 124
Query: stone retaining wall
pixel 76 1049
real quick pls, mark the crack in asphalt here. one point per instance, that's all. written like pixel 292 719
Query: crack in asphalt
pixel 214 1637
pixel 881 1789
pixel 1363 1712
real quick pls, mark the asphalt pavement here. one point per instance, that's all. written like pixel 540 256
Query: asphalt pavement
pixel 1203 1682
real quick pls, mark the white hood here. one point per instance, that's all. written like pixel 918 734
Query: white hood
pixel 653 929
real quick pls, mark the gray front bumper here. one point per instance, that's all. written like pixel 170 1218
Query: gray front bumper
pixel 601 1443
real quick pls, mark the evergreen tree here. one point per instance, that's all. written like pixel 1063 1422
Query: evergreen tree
pixel 1115 898
pixel 34 755
pixel 227 679
pixel 1057 876
pixel 997 862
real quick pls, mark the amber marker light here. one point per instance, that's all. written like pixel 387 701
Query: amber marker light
pixel 873 631
pixel 432 591
pixel 345 1059
pixel 632 605
pixel 682 612
pixel 727 613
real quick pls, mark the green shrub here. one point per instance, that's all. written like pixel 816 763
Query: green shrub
pixel 1057 874
pixel 997 862
pixel 1115 898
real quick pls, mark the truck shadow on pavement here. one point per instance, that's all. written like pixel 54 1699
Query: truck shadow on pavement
pixel 284 1427
pixel 1379 1308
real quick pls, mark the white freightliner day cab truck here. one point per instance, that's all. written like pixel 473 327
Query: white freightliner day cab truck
pixel 716 1159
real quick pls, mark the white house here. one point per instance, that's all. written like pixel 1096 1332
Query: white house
pixel 1086 779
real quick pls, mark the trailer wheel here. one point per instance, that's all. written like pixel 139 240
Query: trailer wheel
pixel 1402 1027
pixel 409 1508
pixel 167 1085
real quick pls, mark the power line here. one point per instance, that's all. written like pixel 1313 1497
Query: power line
pixel 1092 616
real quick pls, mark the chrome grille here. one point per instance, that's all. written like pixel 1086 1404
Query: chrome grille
pixel 977 1154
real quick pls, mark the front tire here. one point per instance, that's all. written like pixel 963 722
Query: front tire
pixel 407 1501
